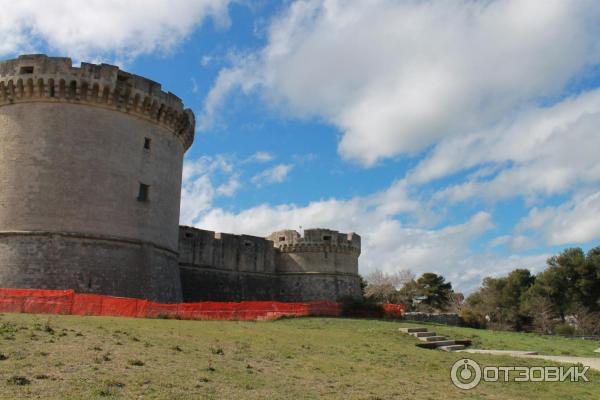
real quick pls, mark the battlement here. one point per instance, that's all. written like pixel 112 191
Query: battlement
pixel 37 77
pixel 247 241
pixel 316 240
pixel 285 266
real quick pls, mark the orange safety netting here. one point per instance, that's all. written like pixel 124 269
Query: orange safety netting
pixel 36 301
pixel 393 310
pixel 69 302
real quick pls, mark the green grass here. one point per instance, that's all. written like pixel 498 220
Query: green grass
pixel 500 340
pixel 70 357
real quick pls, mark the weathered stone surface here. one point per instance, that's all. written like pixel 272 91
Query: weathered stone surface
pixel 223 267
pixel 72 157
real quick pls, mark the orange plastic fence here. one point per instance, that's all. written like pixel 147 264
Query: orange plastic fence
pixel 393 310
pixel 69 302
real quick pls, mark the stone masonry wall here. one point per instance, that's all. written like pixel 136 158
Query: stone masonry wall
pixel 88 265
pixel 225 267
pixel 76 145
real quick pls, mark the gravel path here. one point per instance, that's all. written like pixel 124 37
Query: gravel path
pixel 592 362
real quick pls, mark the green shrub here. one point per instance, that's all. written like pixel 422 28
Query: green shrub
pixel 564 329
pixel 472 319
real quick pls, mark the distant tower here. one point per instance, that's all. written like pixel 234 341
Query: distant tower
pixel 90 179
pixel 322 264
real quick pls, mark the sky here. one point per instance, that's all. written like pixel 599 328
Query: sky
pixel 458 137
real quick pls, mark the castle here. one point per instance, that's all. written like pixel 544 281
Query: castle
pixel 90 184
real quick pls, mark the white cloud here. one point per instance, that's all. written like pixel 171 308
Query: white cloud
pixel 395 77
pixel 260 157
pixel 230 187
pixel 468 272
pixel 499 241
pixel 196 196
pixel 206 60
pixel 97 29
pixel 516 243
pixel 276 174
pixel 194 85
pixel 198 189
pixel 543 152
pixel 575 221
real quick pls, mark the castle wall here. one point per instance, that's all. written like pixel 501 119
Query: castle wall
pixel 226 267
pixel 317 286
pixel 88 265
pixel 227 252
pixel 72 158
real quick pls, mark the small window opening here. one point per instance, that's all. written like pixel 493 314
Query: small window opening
pixel 189 235
pixel 248 243
pixel 90 283
pixel 26 70
pixel 52 91
pixel 282 238
pixel 327 238
pixel 122 78
pixel 147 142
pixel 143 193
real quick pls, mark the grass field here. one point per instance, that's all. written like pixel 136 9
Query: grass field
pixel 69 357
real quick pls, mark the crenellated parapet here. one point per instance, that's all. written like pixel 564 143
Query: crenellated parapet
pixel 39 78
pixel 285 266
pixel 316 240
pixel 318 248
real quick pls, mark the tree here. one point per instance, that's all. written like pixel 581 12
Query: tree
pixel 499 301
pixel 363 285
pixel 383 288
pixel 592 261
pixel 542 314
pixel 435 289
pixel 568 287
pixel 457 300
pixel 571 281
pixel 517 285
pixel 407 294
pixel 587 322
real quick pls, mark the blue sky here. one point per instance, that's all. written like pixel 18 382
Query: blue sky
pixel 455 137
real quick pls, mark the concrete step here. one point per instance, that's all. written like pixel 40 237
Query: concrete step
pixel 452 347
pixel 412 330
pixel 435 345
pixel 422 334
pixel 434 338
pixel 464 342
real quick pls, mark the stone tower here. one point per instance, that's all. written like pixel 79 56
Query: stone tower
pixel 90 179
pixel 322 264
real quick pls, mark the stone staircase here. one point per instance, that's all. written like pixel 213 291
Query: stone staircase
pixel 430 340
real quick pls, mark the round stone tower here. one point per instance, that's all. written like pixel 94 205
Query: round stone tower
pixel 90 179
pixel 322 264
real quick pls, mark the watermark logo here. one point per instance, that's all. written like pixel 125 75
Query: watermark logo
pixel 467 374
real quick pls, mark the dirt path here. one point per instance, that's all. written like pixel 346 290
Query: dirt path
pixel 592 362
